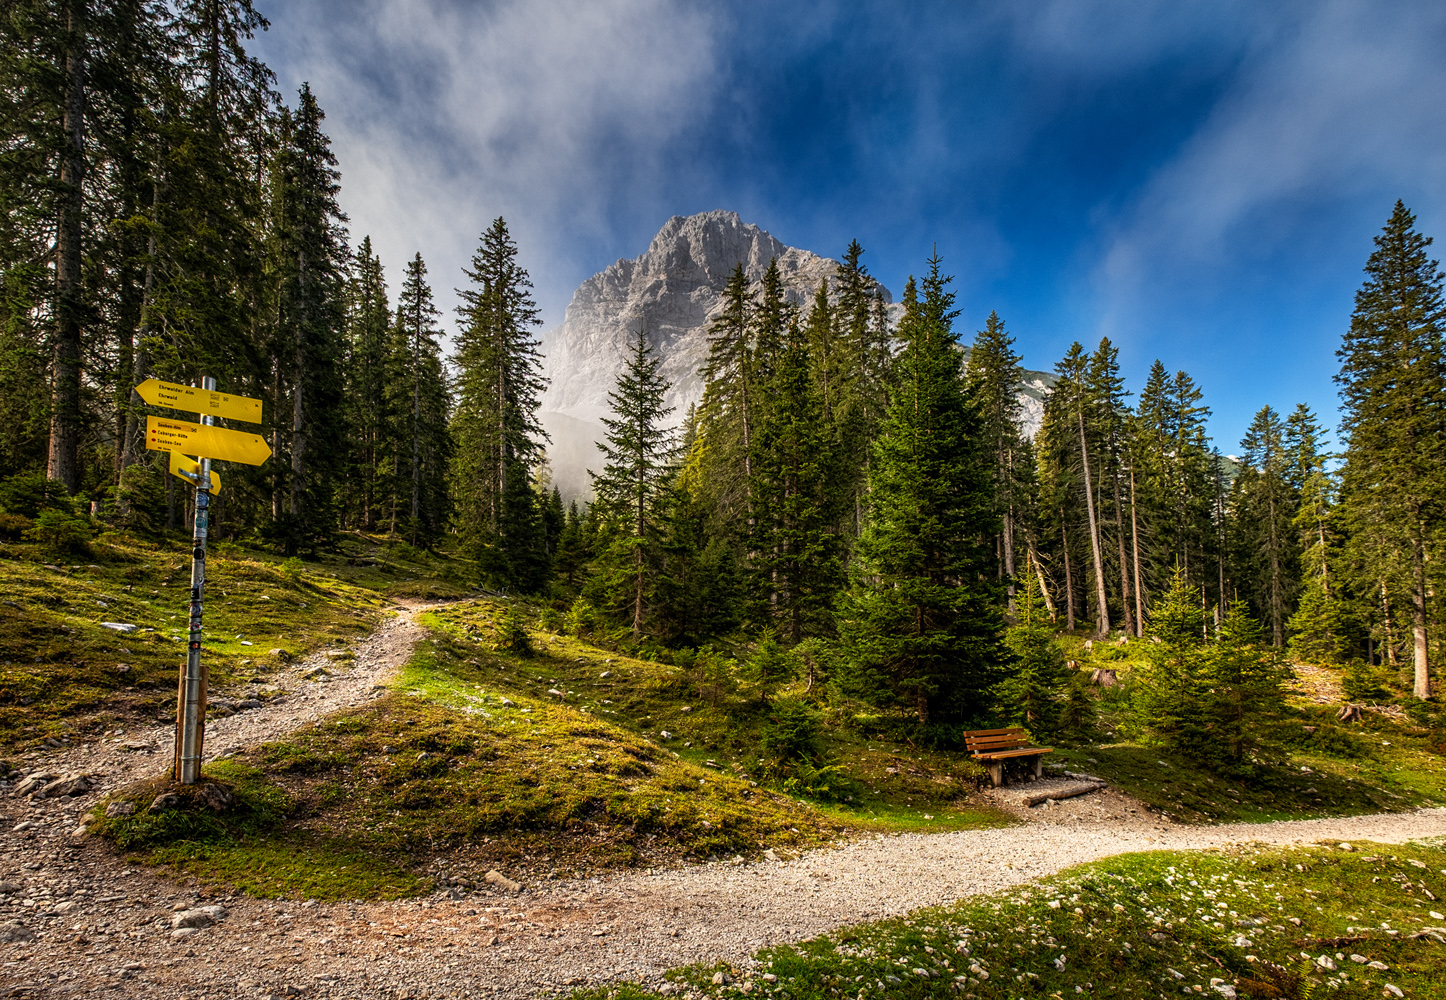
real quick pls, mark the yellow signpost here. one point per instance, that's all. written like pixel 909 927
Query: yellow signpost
pixel 202 439
pixel 190 471
pixel 206 402
pixel 182 438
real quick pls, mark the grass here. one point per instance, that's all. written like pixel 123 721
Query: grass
pixel 63 675
pixel 470 763
pixel 1260 922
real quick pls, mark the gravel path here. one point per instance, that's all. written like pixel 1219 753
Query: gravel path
pixel 99 929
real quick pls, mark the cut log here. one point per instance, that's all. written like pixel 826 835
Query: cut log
pixel 1104 678
pixel 1067 792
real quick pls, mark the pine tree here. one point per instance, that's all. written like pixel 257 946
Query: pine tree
pixel 1393 391
pixel 727 414
pixel 420 445
pixel 921 622
pixel 796 496
pixel 499 388
pixel 308 340
pixel 631 489
pixel 994 376
pixel 1035 692
pixel 368 331
pixel 1265 503
pixel 1073 389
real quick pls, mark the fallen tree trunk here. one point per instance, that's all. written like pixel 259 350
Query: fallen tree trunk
pixel 1067 792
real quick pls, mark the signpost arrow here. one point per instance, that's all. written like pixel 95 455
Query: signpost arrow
pixel 209 442
pixel 190 471
pixel 207 402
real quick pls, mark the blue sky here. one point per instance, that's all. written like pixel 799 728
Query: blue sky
pixel 1198 181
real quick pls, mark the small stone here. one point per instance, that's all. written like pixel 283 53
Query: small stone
pixel 1345 847
pixel 1393 990
pixel 1378 966
pixel 605 674
pixel 14 931
pixel 192 919
pixel 33 782
pixel 76 784
pixel 9 889
pixel 501 881
pixel 1326 962
pixel 164 801
pixel 1359 959
pixel 181 933
pixel 121 627
pixel 120 807
pixel 721 979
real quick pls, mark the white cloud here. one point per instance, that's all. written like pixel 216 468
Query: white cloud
pixel 446 115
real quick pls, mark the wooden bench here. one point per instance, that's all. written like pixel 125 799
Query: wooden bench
pixel 993 747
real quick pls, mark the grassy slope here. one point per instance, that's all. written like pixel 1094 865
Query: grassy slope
pixel 63 675
pixel 386 782
pixel 1142 925
pixel 470 763
pixel 1379 764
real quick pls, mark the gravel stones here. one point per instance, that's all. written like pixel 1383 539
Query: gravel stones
pixel 501 881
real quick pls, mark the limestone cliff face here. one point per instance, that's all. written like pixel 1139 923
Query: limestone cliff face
pixel 675 290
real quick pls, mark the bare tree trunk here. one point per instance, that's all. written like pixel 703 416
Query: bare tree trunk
pixel 1102 620
pixel 1135 552
pixel 1124 562
pixel 65 421
pixel 1277 595
pixel 1390 637
pixel 1068 577
pixel 1420 653
pixel 1043 583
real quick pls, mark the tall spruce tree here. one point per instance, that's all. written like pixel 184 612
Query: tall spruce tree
pixel 1393 392
pixel 308 339
pixel 368 331
pixel 419 444
pixel 499 440
pixel 1264 504
pixel 631 491
pixel 994 376
pixel 922 622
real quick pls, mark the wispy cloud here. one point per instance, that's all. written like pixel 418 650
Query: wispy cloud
pixel 447 114
pixel 1340 102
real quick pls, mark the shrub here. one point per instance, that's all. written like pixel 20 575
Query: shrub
pixel 512 636
pixel 62 532
pixel 582 619
pixel 28 493
pixel 1364 682
pixel 793 732
pixel 140 499
pixel 14 527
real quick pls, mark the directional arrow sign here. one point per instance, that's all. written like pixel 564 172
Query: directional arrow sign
pixel 200 439
pixel 206 402
pixel 190 470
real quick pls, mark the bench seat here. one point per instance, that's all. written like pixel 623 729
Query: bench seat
pixel 993 747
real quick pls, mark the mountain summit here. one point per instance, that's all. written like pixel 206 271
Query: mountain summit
pixel 675 289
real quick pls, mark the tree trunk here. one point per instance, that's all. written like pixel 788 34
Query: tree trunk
pixel 1068 577
pixel 1420 654
pixel 1277 595
pixel 1124 562
pixel 1390 638
pixel 65 419
pixel 1043 583
pixel 1102 619
pixel 1135 553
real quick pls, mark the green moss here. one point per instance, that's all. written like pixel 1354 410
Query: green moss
pixel 1137 926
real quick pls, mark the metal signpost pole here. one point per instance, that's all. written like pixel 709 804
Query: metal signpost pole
pixel 191 712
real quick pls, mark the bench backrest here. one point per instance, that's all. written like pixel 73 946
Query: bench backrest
pixel 988 740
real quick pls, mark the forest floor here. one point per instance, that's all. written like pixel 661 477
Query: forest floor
pixel 379 777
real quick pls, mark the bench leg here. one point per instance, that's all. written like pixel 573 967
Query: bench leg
pixel 1039 766
pixel 996 772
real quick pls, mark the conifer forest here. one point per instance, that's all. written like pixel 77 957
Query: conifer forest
pixel 852 501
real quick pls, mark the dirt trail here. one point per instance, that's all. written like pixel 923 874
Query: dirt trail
pixel 102 929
